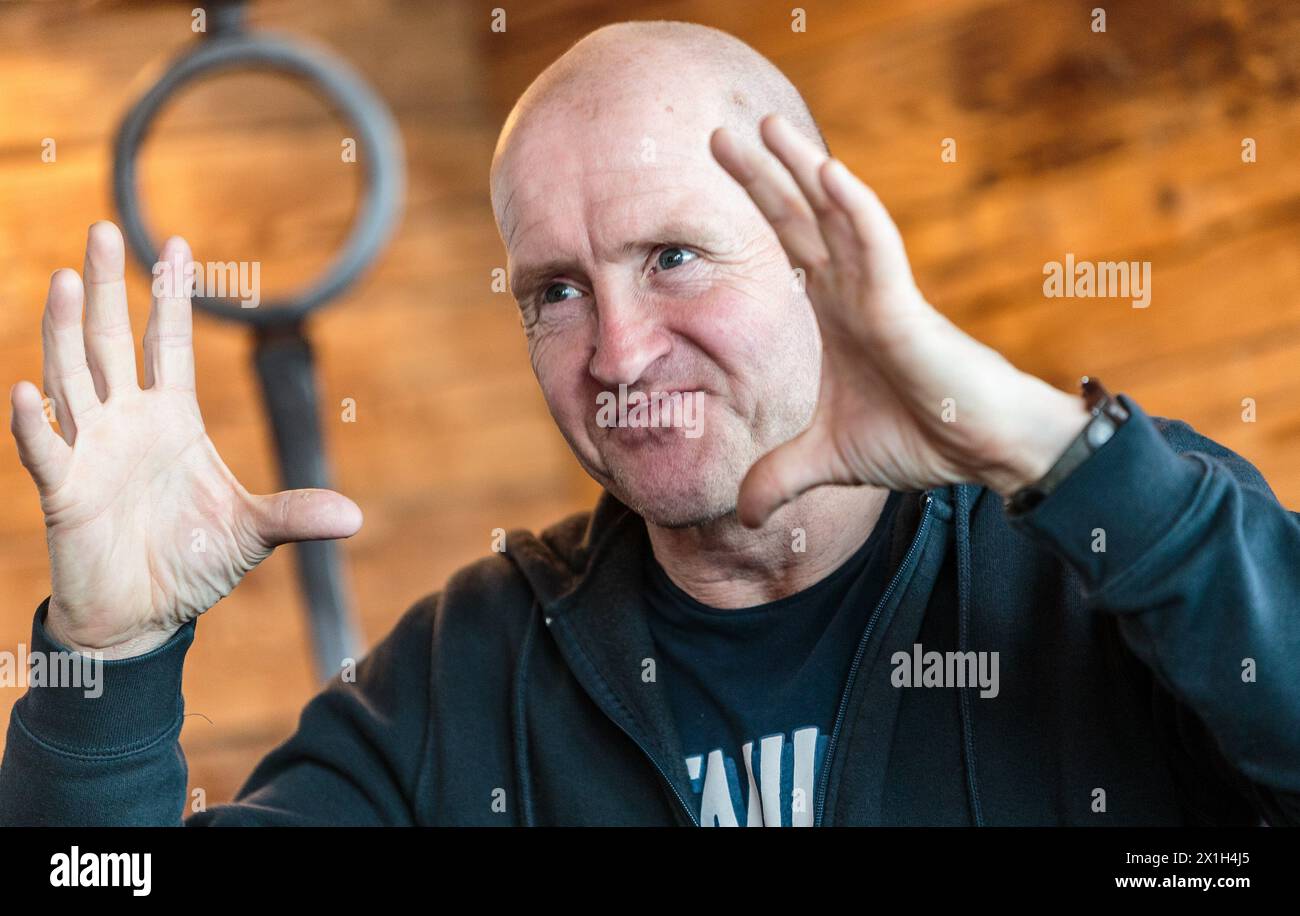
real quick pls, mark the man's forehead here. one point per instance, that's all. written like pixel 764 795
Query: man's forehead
pixel 607 194
pixel 620 140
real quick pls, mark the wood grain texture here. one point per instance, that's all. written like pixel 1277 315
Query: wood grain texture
pixel 1117 146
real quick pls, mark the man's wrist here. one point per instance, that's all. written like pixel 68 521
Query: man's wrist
pixel 141 644
pixel 1047 421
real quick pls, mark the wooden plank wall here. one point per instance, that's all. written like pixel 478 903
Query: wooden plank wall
pixel 1117 146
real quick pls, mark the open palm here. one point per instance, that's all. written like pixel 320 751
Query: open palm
pixel 146 526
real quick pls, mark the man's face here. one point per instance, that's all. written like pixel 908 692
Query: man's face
pixel 637 261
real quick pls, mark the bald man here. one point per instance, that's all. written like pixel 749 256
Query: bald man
pixel 850 566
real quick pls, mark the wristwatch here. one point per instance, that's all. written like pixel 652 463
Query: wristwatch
pixel 1108 415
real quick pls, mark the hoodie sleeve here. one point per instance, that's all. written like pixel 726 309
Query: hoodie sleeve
pixel 1183 542
pixel 104 752
pixel 113 757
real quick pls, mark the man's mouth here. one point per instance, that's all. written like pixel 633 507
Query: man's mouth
pixel 677 408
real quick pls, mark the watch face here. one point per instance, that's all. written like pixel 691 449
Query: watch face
pixel 1100 431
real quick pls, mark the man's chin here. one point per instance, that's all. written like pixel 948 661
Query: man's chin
pixel 674 511
pixel 686 516
pixel 671 496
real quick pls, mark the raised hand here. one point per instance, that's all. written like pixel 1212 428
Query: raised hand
pixel 908 400
pixel 147 528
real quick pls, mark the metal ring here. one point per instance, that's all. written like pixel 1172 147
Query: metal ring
pixel 377 137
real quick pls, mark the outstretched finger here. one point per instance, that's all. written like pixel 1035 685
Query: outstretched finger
pixel 65 375
pixel 776 195
pixel 169 337
pixel 40 449
pixel 875 234
pixel 804 160
pixel 110 348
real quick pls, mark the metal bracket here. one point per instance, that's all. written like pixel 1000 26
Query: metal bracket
pixel 282 353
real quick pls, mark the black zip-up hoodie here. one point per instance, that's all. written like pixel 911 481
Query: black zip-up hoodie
pixel 1146 616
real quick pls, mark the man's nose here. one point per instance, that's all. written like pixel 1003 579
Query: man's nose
pixel 628 342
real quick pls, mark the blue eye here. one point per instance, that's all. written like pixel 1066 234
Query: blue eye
pixel 548 298
pixel 673 257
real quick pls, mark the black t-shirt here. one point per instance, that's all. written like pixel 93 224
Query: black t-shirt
pixel 755 691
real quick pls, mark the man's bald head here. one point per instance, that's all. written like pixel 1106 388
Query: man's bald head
pixel 679 66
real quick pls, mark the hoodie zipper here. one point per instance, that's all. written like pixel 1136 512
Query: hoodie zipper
pixel 857 659
pixel 844 699
pixel 663 773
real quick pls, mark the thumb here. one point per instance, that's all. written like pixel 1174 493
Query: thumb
pixel 40 449
pixel 781 475
pixel 305 515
